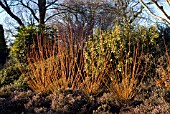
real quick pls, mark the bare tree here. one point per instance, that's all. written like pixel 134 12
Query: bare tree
pixel 36 9
pixel 101 14
pixel 41 11
pixel 127 10
pixel 160 7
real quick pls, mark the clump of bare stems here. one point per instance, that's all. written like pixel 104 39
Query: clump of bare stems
pixel 54 64
pixel 65 63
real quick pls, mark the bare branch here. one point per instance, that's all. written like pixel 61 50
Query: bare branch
pixel 153 15
pixel 161 9
pixel 136 15
pixel 168 1
pixel 30 9
pixel 51 3
pixel 53 16
pixel 8 10
pixel 34 2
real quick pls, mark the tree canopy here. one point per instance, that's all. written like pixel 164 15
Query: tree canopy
pixel 26 12
pixel 29 11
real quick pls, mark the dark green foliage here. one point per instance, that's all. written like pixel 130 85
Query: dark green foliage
pixel 10 74
pixel 164 39
pixel 121 41
pixel 21 44
pixel 158 51
pixel 121 54
pixel 27 37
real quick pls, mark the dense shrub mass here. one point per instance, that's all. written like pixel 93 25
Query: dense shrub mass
pixel 9 74
pixel 27 37
pixel 122 56
pixel 21 44
pixel 108 72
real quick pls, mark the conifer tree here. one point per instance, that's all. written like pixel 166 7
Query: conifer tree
pixel 3 47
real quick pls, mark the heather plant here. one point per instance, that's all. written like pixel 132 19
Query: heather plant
pixel 154 99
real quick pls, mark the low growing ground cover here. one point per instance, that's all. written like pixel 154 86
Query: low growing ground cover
pixel 150 100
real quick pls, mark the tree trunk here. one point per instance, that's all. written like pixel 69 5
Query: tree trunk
pixel 42 11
